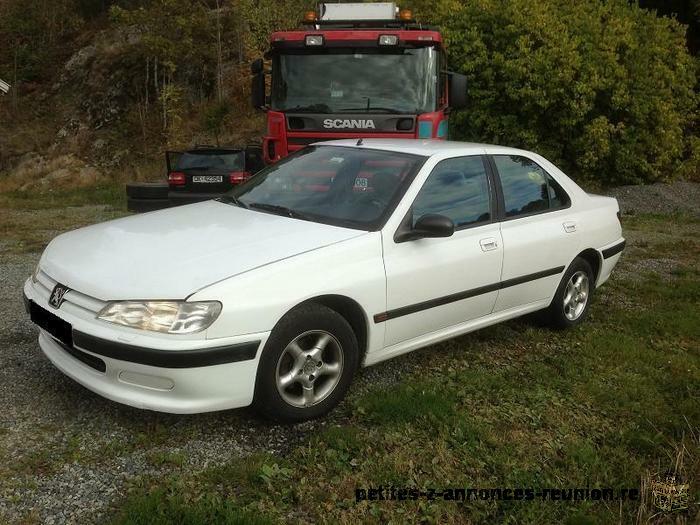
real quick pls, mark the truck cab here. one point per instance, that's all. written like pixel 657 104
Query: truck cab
pixel 355 70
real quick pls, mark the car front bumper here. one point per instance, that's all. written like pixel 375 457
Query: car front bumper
pixel 185 377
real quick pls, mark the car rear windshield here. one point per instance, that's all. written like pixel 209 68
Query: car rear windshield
pixel 345 186
pixel 212 160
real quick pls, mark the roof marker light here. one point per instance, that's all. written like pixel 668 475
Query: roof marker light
pixel 310 16
pixel 406 15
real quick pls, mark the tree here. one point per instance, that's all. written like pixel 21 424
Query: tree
pixel 605 89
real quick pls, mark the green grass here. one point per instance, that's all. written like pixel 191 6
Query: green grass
pixel 110 194
pixel 165 507
pixel 29 220
pixel 606 404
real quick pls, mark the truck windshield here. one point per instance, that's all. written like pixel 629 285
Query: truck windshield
pixel 356 81
pixel 344 186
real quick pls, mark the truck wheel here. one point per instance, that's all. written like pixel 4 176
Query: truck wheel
pixel 573 297
pixel 147 190
pixel 307 365
pixel 142 205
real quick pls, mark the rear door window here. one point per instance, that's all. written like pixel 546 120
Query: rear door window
pixel 527 188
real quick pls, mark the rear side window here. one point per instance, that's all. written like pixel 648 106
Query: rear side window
pixel 457 188
pixel 527 188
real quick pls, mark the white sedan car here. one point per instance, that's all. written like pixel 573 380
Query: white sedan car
pixel 344 254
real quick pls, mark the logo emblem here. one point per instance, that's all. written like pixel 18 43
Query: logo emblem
pixel 339 123
pixel 56 299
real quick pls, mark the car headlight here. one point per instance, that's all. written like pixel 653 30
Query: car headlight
pixel 172 317
pixel 35 275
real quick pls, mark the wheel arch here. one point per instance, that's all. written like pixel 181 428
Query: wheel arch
pixel 595 259
pixel 351 311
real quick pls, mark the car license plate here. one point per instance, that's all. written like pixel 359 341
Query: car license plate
pixel 53 324
pixel 208 178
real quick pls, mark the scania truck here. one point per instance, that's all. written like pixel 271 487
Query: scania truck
pixel 354 70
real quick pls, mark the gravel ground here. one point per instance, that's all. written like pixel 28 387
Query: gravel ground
pixel 680 197
pixel 69 454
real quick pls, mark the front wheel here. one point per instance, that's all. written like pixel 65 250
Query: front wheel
pixel 307 365
pixel 573 297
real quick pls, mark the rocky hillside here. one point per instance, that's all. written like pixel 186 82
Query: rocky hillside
pixel 109 91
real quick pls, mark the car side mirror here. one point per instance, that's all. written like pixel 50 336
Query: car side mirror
pixel 457 90
pixel 430 225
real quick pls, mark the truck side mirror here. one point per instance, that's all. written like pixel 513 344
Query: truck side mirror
pixel 256 66
pixel 257 85
pixel 457 90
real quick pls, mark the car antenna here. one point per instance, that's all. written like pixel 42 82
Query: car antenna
pixel 359 142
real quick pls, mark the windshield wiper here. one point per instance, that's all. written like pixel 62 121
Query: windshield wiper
pixel 279 210
pixel 370 109
pixel 311 108
pixel 230 199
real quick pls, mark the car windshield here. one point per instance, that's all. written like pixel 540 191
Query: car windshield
pixel 211 160
pixel 344 186
pixel 347 81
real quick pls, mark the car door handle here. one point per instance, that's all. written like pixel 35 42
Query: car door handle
pixel 488 244
pixel 569 226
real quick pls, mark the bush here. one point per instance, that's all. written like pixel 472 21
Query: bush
pixel 605 89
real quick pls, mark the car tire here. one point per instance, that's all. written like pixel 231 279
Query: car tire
pixel 143 205
pixel 572 300
pixel 307 365
pixel 147 190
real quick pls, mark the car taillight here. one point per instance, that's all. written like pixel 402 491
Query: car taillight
pixel 239 176
pixel 176 178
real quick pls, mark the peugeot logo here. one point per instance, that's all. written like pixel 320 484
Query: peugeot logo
pixel 56 299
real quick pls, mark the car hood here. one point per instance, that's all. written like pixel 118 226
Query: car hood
pixel 170 254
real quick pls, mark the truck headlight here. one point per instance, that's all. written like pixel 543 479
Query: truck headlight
pixel 172 317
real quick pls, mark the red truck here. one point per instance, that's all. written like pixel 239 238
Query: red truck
pixel 355 70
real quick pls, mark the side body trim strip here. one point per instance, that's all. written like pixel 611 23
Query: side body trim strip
pixel 446 299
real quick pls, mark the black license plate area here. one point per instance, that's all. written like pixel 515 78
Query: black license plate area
pixel 57 327
pixel 207 179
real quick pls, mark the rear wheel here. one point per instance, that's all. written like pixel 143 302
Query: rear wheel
pixel 307 365
pixel 143 205
pixel 573 297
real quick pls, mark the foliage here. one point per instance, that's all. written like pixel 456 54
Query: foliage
pixel 605 89
pixel 602 88
pixel 31 34
pixel 214 117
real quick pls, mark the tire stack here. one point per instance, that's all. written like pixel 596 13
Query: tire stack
pixel 147 196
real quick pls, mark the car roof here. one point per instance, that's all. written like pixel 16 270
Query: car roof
pixel 424 147
pixel 213 150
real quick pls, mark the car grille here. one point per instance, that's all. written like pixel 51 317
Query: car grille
pixel 74 302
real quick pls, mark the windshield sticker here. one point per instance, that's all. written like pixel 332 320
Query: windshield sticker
pixel 361 182
pixel 336 91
